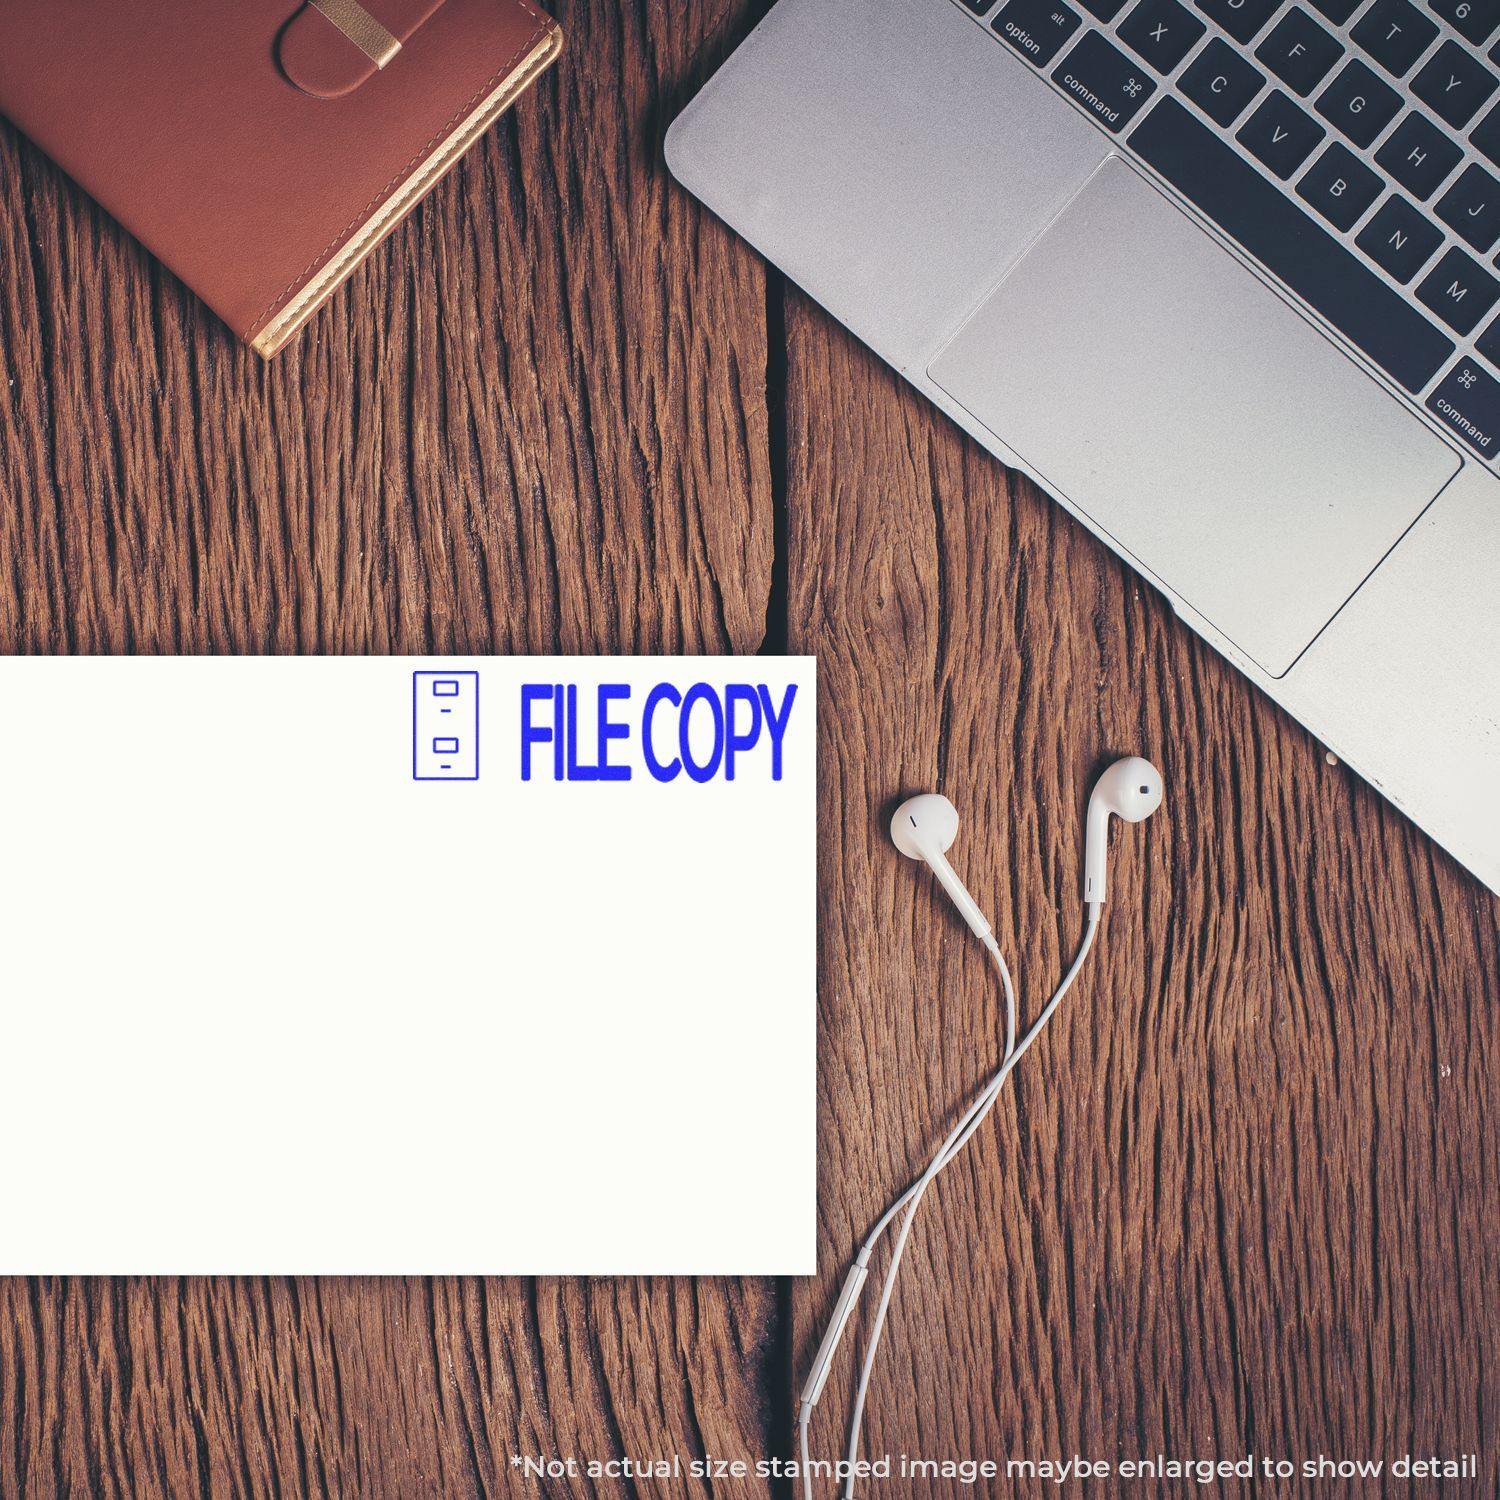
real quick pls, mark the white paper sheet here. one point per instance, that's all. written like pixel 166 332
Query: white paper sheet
pixel 270 1003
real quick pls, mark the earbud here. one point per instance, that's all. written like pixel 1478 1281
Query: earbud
pixel 924 828
pixel 1129 789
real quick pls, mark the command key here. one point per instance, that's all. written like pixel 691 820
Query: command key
pixel 1104 81
pixel 1468 400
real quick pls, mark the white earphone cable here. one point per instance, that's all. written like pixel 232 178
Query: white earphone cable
pixel 957 1138
pixel 832 1338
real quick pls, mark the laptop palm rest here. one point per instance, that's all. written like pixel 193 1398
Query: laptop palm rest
pixel 1174 399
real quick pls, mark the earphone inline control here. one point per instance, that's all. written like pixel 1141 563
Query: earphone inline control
pixel 924 827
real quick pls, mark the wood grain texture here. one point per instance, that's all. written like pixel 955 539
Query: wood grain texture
pixel 1242 1196
pixel 535 421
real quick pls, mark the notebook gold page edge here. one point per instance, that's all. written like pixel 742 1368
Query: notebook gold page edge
pixel 319 287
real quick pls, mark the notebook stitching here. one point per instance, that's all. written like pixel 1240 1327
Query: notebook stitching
pixel 343 234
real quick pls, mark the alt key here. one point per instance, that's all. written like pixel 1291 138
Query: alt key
pixel 1036 28
pixel 1468 400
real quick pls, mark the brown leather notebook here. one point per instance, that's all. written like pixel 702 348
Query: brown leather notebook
pixel 262 148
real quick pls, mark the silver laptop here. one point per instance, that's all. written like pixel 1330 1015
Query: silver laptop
pixel 1219 275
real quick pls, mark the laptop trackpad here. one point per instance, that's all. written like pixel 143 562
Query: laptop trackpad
pixel 1152 382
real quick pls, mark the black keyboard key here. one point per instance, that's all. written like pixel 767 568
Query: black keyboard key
pixel 1453 84
pixel 1398 239
pixel 1037 29
pixel 1162 32
pixel 1337 11
pixel 1279 134
pixel 1298 51
pixel 1220 82
pixel 1468 400
pixel 1473 20
pixel 1290 244
pixel 1395 34
pixel 1418 155
pixel 979 6
pixel 1471 208
pixel 1240 18
pixel 1359 103
pixel 1104 81
pixel 1104 10
pixel 1459 291
pixel 1340 186
pixel 1486 135
pixel 1488 343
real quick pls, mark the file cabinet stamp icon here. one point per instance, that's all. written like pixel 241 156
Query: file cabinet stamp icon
pixel 445 726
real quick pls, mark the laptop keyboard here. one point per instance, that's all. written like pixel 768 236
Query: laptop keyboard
pixel 1352 147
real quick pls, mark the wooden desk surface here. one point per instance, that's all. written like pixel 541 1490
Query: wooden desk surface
pixel 1244 1196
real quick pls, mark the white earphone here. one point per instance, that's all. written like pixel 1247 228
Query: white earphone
pixel 1131 790
pixel 924 827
